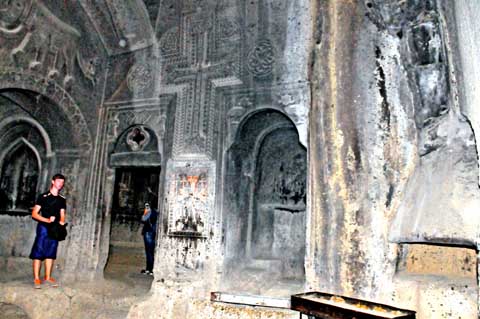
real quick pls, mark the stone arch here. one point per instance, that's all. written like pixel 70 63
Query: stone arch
pixel 14 80
pixel 19 118
pixel 244 118
pixel 46 115
pixel 17 143
pixel 17 130
pixel 12 186
pixel 265 205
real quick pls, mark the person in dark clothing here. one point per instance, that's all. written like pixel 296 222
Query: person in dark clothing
pixel 49 208
pixel 149 231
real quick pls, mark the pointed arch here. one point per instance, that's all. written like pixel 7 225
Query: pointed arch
pixel 21 118
pixel 20 173
pixel 13 80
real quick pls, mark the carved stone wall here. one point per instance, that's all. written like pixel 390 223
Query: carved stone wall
pixel 371 111
pixel 222 61
pixel 187 238
pixel 200 55
pixel 23 129
pixel 55 84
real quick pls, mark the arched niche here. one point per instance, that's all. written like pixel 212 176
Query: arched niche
pixel 19 176
pixel 24 151
pixel 31 91
pixel 37 140
pixel 265 207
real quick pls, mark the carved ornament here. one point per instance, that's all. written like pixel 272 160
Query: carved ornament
pixel 137 138
pixel 261 59
pixel 13 14
pixel 139 78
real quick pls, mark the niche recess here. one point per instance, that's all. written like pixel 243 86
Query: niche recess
pixel 19 178
pixel 265 207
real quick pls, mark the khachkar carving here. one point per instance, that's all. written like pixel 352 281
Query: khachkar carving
pixel 201 54
pixel 190 198
pixel 42 42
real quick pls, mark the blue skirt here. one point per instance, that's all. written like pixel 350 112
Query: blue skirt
pixel 43 247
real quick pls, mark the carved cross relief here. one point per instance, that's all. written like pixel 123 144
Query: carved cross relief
pixel 197 71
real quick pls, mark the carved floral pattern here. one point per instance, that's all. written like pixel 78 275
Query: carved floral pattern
pixel 228 28
pixel 261 59
pixel 140 78
pixel 169 43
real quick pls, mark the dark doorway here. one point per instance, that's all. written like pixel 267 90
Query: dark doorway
pixel 134 186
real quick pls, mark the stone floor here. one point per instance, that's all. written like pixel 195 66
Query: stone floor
pixel 9 311
pixel 108 298
pixel 113 296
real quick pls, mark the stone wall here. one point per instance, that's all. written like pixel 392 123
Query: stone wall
pixel 53 87
pixel 392 156
pixel 330 143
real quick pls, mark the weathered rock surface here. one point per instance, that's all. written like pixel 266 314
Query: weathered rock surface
pixel 102 299
pixel 288 146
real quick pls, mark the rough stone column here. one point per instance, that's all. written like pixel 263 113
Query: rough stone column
pixel 392 159
pixel 362 147
pixel 467 15
pixel 332 141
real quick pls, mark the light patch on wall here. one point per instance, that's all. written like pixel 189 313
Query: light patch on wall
pixel 436 260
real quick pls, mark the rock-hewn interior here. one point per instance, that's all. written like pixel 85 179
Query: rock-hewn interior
pixel 288 146
pixel 265 204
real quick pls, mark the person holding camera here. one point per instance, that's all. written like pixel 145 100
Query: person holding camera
pixel 149 231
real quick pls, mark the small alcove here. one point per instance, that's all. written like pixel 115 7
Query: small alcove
pixel 265 207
